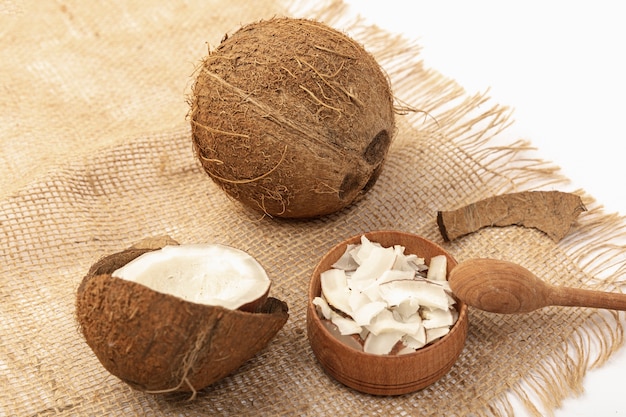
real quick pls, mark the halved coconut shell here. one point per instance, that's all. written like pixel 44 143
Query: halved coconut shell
pixel 157 342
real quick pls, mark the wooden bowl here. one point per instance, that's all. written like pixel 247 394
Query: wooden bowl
pixel 384 374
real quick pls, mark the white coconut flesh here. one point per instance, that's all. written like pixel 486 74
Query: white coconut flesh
pixel 393 301
pixel 210 274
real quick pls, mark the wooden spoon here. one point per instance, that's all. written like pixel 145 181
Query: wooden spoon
pixel 504 287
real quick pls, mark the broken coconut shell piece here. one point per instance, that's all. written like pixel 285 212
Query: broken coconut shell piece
pixel 159 340
pixel 551 212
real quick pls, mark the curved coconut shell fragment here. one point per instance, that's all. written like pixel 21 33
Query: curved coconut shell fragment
pixel 159 343
pixel 552 212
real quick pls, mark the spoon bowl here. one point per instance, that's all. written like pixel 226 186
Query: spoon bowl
pixel 504 287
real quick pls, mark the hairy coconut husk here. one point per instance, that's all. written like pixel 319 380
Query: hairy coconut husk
pixel 292 117
pixel 160 343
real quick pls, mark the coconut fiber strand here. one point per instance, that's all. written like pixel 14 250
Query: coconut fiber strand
pixel 96 154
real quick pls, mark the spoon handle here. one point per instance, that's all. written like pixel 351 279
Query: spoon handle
pixel 578 297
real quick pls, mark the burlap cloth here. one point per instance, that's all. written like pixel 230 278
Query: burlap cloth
pixel 96 155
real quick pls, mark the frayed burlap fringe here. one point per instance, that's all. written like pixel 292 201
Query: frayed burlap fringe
pixel 451 148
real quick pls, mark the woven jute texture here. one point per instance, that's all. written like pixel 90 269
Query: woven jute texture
pixel 95 155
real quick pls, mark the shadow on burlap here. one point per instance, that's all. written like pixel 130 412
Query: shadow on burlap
pixel 96 155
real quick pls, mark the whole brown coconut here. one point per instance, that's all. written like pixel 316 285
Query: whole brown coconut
pixel 292 117
pixel 160 343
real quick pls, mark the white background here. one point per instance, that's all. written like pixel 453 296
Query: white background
pixel 561 66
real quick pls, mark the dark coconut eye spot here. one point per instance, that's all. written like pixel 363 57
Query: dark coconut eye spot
pixel 375 151
pixel 370 183
pixel 350 183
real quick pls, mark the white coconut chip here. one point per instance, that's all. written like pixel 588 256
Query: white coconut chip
pixel 415 341
pixel 437 268
pixel 324 308
pixel 362 251
pixel 381 344
pixel 346 261
pixel 405 350
pixel 345 325
pixel 434 318
pixel 371 291
pixel 395 275
pixel 364 315
pixel 384 322
pixel 436 334
pixel 407 308
pixel 357 300
pixel 335 289
pixel 424 292
pixel 379 260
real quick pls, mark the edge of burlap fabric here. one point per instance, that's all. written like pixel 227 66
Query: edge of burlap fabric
pixel 143 180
